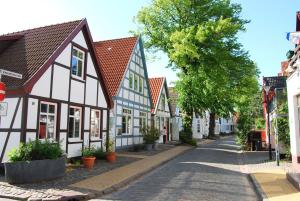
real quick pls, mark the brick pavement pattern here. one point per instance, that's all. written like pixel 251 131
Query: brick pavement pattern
pixel 211 172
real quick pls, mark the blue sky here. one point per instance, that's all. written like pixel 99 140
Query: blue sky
pixel 264 39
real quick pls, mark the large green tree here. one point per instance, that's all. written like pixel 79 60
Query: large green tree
pixel 200 39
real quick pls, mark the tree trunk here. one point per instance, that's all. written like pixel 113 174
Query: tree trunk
pixel 212 125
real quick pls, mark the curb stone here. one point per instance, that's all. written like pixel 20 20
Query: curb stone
pixel 257 188
pixel 127 181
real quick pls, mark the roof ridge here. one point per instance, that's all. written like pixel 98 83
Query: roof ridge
pixel 101 41
pixel 31 29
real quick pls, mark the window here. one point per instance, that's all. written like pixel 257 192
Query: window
pixel 47 125
pixel 74 122
pixel 163 101
pixel 131 80
pixel 126 121
pixel 141 86
pixel 95 123
pixel 77 62
pixel 198 126
pixel 143 119
pixel 157 123
pixel 136 82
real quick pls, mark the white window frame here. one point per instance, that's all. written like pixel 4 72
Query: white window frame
pixel 83 60
pixel 143 119
pixel 127 113
pixel 48 114
pixel 99 123
pixel 72 139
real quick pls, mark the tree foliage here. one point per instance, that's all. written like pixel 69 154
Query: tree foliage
pixel 200 39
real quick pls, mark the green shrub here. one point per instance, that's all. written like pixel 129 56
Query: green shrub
pixel 150 134
pixel 99 153
pixel 88 151
pixel 36 150
pixel 185 137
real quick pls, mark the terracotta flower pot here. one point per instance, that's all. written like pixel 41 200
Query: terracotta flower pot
pixel 111 157
pixel 88 162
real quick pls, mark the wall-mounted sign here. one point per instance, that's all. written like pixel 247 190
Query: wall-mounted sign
pixel 3 108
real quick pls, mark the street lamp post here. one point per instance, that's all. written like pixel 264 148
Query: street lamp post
pixel 267 89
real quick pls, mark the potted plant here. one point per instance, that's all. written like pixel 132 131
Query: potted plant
pixel 88 157
pixel 110 151
pixel 35 161
pixel 150 136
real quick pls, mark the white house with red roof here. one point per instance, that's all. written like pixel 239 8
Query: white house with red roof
pixel 161 110
pixel 124 66
pixel 62 96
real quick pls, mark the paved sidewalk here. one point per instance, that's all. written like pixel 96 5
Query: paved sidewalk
pixel 269 180
pixel 116 178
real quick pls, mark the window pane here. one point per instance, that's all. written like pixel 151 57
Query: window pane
pixel 71 127
pixel 44 108
pixel 74 66
pixel 124 124
pixel 71 111
pixel 129 125
pixel 80 55
pixel 130 80
pixel 135 82
pixel 141 85
pixel 77 127
pixel 79 73
pixel 52 109
pixel 74 52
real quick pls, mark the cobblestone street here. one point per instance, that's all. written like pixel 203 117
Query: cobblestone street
pixel 210 172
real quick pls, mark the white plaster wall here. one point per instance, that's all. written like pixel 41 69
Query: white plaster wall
pixel 13 142
pixel 64 116
pixel 86 139
pixel 101 98
pixel 42 86
pixel 11 104
pixel 80 40
pixel 118 142
pixel 65 57
pixel 90 66
pixel 96 144
pixel 61 77
pixel 3 136
pixel 63 140
pixel 32 113
pixel 87 118
pixel 74 150
pixel 91 87
pixel 18 118
pixel 104 119
pixel 30 136
pixel 293 89
pixel 77 92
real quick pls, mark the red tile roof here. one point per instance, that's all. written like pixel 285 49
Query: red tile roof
pixel 155 88
pixel 114 56
pixel 28 50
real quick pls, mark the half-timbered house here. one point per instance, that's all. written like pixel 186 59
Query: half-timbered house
pixel 62 95
pixel 124 67
pixel 161 110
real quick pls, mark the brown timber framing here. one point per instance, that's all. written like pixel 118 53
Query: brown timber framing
pixel 10 129
pixel 24 119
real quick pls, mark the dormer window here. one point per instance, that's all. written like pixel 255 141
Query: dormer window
pixel 77 64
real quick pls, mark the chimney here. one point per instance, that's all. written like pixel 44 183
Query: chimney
pixel 298 21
